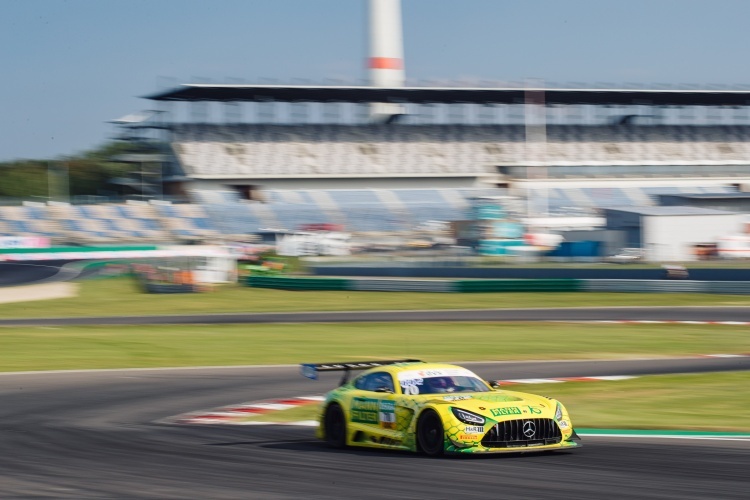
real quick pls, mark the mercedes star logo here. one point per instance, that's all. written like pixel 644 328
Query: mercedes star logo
pixel 529 429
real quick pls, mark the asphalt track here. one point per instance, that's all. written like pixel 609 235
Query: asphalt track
pixel 691 313
pixel 98 435
pixel 27 273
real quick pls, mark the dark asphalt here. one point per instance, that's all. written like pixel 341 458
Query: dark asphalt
pixel 740 314
pixel 96 435
pixel 27 273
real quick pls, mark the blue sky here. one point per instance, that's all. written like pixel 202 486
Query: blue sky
pixel 69 66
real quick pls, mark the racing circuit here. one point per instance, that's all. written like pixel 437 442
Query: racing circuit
pixel 93 434
pixel 101 434
pixel 97 435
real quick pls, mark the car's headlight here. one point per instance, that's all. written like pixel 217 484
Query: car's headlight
pixel 558 412
pixel 468 417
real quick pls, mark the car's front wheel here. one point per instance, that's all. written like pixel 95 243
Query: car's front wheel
pixel 430 434
pixel 335 426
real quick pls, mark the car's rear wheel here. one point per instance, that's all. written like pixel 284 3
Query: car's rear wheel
pixel 430 434
pixel 335 426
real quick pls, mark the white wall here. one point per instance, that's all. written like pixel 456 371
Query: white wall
pixel 671 237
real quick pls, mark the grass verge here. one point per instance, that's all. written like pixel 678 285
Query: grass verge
pixel 91 347
pixel 122 297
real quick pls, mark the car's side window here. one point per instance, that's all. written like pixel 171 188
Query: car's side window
pixel 360 382
pixel 376 382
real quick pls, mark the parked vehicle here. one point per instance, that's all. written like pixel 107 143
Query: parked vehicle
pixel 625 256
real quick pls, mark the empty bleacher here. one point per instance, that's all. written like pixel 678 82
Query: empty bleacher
pixel 300 151
pixel 109 223
pixel 356 210
pixel 221 215
pixel 28 221
pixel 187 222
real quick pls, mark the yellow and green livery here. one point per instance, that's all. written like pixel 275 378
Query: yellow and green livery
pixel 435 409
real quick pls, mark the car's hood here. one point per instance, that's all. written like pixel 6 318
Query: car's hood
pixel 501 405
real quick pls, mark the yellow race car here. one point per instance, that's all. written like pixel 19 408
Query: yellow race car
pixel 435 409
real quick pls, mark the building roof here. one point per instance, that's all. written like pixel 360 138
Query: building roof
pixel 475 95
pixel 669 211
pixel 710 196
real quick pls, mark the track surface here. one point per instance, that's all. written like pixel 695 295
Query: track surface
pixel 15 273
pixel 84 435
pixel 738 314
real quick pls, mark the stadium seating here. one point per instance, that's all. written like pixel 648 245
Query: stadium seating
pixel 356 210
pixel 187 222
pixel 28 221
pixel 106 224
pixel 258 151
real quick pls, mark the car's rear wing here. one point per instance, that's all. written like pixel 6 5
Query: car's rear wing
pixel 310 370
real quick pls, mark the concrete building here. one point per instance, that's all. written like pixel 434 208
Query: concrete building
pixel 671 233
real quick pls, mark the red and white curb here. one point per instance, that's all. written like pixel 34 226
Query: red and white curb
pixel 563 379
pixel 237 414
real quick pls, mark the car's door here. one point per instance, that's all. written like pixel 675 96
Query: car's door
pixel 373 408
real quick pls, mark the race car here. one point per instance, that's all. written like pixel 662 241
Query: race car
pixel 436 409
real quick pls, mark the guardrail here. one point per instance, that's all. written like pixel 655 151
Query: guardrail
pixel 667 286
pixel 491 285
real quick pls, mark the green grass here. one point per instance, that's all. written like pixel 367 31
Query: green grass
pixel 89 347
pixel 707 402
pixel 698 402
pixel 121 296
pixel 296 414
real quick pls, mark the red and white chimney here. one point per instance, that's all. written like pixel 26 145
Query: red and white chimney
pixel 386 58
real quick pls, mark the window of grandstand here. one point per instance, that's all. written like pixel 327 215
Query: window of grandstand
pixel 248 192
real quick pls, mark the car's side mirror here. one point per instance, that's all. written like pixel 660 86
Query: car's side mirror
pixel 384 389
pixel 495 384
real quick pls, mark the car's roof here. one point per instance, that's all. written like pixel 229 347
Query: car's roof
pixel 402 367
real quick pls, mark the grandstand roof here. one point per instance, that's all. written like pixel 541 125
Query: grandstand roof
pixel 710 196
pixel 668 210
pixel 476 95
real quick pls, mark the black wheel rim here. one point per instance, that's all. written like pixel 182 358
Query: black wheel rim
pixel 431 433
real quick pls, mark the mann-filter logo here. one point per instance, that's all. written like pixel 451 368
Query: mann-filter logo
pixel 511 410
pixel 365 410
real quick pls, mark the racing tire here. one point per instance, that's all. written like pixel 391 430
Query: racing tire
pixel 430 434
pixel 335 426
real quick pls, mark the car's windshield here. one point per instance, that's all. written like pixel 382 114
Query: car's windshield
pixel 442 381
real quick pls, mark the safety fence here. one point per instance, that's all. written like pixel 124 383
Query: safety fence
pixel 667 286
pixel 491 285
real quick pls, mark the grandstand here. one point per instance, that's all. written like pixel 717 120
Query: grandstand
pixel 235 160
pixel 283 170
pixel 606 148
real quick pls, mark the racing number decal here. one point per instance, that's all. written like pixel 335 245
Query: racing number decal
pixel 410 386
